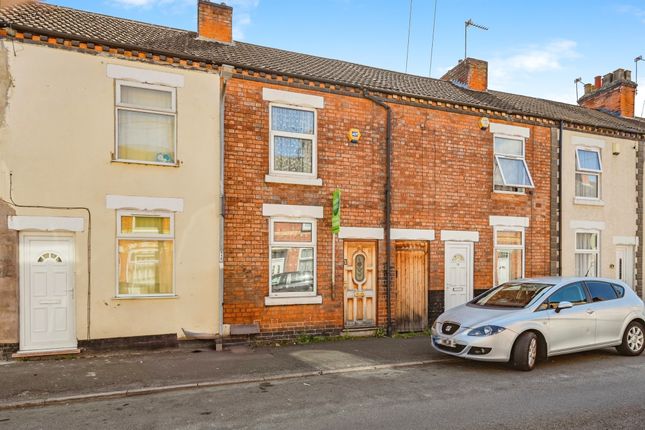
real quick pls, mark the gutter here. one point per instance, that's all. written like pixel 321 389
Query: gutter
pixel 388 207
pixel 560 139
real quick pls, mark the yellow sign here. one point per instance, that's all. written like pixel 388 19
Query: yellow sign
pixel 354 135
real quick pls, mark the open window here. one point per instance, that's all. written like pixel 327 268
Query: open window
pixel 511 172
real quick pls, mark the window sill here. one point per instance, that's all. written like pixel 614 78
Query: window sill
pixel 146 163
pixel 316 182
pixel 284 301
pixel 150 297
pixel 588 202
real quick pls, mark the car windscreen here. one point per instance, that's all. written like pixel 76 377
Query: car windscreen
pixel 511 295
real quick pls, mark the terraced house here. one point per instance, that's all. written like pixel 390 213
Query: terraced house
pixel 446 187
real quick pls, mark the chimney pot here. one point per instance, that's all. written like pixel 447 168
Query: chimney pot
pixel 215 21
pixel 619 74
pixel 628 75
pixel 588 88
pixel 607 79
pixel 597 81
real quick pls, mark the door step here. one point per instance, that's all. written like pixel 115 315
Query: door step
pixel 360 332
pixel 38 354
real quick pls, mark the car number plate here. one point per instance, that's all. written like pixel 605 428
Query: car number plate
pixel 447 342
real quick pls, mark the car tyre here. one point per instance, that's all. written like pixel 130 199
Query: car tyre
pixel 525 352
pixel 633 339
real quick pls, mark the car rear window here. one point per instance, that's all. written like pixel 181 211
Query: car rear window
pixel 620 291
pixel 601 291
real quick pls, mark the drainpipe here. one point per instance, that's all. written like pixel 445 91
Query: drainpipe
pixel 388 207
pixel 226 72
pixel 560 197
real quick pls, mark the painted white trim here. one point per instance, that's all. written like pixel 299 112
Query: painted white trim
pixel 144 203
pixel 411 234
pixel 361 233
pixel 511 130
pixel 294 180
pixel 508 221
pixel 46 223
pixel 460 236
pixel 625 240
pixel 587 225
pixel 588 141
pixel 283 301
pixel 292 211
pixel 115 71
pixel 293 98
pixel 587 201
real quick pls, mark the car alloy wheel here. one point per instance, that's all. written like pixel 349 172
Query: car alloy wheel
pixel 532 351
pixel 635 338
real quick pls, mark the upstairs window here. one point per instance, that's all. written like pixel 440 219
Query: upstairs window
pixel 511 173
pixel 293 141
pixel 588 170
pixel 146 117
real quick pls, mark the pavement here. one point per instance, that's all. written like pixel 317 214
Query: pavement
pixel 591 390
pixel 134 373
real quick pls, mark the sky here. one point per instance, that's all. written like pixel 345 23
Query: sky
pixel 535 48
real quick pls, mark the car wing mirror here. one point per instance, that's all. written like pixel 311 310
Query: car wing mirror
pixel 563 305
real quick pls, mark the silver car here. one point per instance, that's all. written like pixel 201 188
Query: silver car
pixel 530 319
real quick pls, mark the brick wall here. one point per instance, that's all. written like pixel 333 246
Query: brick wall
pixel 215 21
pixel 442 180
pixel 8 278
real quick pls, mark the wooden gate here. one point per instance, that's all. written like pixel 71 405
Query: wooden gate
pixel 412 285
pixel 360 284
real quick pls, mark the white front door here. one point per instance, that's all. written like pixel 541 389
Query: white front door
pixel 47 319
pixel 458 273
pixel 625 264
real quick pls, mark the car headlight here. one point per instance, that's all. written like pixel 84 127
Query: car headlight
pixel 486 330
pixel 433 329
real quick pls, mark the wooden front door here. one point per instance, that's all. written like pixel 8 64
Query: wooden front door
pixel 360 284
pixel 412 286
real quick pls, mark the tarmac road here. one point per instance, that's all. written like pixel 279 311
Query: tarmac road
pixel 596 390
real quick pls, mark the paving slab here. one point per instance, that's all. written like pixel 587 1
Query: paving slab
pixel 140 372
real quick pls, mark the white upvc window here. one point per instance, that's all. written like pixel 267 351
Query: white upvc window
pixel 587 253
pixel 510 173
pixel 292 243
pixel 292 146
pixel 508 261
pixel 588 171
pixel 146 123
pixel 145 254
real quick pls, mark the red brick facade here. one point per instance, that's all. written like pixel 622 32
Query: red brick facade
pixel 442 179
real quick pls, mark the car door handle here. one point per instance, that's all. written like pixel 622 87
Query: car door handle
pixel 590 311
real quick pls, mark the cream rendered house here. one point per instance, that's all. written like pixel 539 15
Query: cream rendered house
pixel 599 222
pixel 110 193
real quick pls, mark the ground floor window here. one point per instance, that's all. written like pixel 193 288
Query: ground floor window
pixel 145 253
pixel 587 253
pixel 508 261
pixel 293 257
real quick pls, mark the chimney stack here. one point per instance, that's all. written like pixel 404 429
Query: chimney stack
pixel 614 92
pixel 470 72
pixel 215 21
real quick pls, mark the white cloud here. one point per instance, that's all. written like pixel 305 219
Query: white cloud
pixel 525 62
pixel 242 11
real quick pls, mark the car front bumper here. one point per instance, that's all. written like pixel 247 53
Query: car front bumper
pixel 497 347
